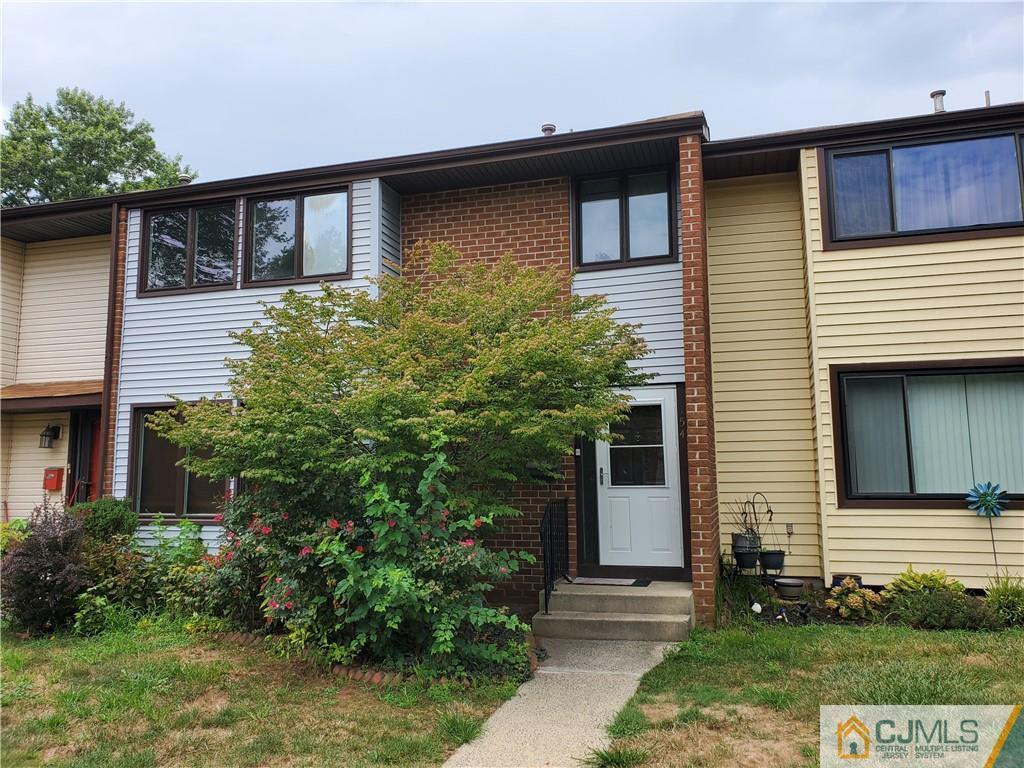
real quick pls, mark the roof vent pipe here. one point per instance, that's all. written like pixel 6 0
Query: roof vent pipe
pixel 988 99
pixel 547 129
pixel 184 178
pixel 937 100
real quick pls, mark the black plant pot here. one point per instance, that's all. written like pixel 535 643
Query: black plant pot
pixel 772 559
pixel 745 558
pixel 746 542
pixel 837 579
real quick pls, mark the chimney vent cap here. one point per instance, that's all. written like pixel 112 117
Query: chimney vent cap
pixel 936 97
pixel 184 178
pixel 548 129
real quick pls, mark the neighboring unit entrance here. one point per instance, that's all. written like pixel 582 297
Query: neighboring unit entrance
pixel 638 485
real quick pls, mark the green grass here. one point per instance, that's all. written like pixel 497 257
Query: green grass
pixel 616 757
pixel 150 694
pixel 723 696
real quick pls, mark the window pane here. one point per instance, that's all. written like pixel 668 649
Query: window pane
pixel 860 194
pixel 995 402
pixel 876 441
pixel 215 240
pixel 643 427
pixel 648 216
pixel 325 234
pixel 203 495
pixel 957 184
pixel 637 466
pixel 168 234
pixel 157 475
pixel 599 221
pixel 938 434
pixel 273 239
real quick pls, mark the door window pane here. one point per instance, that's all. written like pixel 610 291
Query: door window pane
pixel 638 456
pixel 273 239
pixel 648 216
pixel 168 237
pixel 957 184
pixel 157 487
pixel 599 230
pixel 215 242
pixel 860 194
pixel 325 234
pixel 876 435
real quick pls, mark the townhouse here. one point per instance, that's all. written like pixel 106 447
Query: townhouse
pixel 835 319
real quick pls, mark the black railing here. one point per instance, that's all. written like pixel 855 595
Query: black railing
pixel 554 544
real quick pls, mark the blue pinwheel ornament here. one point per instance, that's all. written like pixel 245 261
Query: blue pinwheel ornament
pixel 987 499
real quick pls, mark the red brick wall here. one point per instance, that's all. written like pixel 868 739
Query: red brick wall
pixel 530 221
pixel 113 361
pixel 700 417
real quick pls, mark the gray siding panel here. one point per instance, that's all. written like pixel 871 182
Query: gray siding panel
pixel 651 297
pixel 176 345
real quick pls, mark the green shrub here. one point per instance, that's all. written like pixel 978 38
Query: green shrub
pixel 912 582
pixel 105 518
pixel 852 602
pixel 1005 596
pixel 185 590
pixel 942 609
pixel 121 573
pixel 96 614
pixel 12 532
pixel 43 575
pixel 179 544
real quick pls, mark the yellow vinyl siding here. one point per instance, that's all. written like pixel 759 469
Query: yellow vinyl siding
pixel 64 310
pixel 896 303
pixel 764 419
pixel 23 461
pixel 12 269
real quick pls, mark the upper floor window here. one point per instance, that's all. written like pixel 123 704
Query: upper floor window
pixel 919 188
pixel 189 248
pixel 624 219
pixel 294 237
pixel 930 433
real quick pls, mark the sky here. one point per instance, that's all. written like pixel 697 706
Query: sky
pixel 245 88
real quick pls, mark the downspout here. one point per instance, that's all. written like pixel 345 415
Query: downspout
pixel 109 350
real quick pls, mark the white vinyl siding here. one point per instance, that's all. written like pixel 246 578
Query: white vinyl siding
pixel 176 345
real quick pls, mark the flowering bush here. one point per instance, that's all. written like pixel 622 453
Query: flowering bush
pixel 853 602
pixel 377 442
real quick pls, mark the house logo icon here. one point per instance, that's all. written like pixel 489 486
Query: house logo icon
pixel 853 740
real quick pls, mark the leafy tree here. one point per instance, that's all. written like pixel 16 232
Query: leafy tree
pixel 80 146
pixel 378 437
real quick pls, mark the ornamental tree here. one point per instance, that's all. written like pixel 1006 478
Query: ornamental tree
pixel 377 435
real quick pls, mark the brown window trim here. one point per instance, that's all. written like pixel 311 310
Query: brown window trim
pixel 134 437
pixel 144 291
pixel 625 262
pixel 298 196
pixel 953 234
pixel 844 500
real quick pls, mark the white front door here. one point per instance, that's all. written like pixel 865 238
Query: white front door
pixel 639 513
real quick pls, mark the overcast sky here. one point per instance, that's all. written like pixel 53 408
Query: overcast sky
pixel 248 88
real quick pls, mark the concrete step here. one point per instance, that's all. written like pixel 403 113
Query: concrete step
pixel 605 625
pixel 664 597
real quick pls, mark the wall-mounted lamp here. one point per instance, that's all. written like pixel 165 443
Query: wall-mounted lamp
pixel 50 433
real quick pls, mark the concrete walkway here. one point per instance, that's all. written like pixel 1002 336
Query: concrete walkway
pixel 561 714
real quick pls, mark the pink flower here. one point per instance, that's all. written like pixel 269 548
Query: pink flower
pixel 265 530
pixel 444 514
pixel 333 524
pixel 425 535
pixel 391 523
pixel 284 515
pixel 218 517
pixel 350 526
pixel 228 556
pixel 503 569
pixel 277 579
pixel 288 605
pixel 359 548
pixel 305 551
pixel 477 523
pixel 274 605
pixel 467 543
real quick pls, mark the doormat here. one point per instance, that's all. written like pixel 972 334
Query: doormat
pixel 612 582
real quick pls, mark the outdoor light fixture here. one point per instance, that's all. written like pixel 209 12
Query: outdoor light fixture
pixel 50 433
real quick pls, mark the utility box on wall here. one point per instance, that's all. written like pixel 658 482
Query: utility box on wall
pixel 53 479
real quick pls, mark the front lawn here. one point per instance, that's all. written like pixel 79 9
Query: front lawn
pixel 730 698
pixel 151 694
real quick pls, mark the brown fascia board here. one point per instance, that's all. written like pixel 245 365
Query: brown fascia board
pixel 692 122
pixel 876 130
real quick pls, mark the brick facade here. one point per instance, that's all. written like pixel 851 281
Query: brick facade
pixel 115 326
pixel 700 417
pixel 529 221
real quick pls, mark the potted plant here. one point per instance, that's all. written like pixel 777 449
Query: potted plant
pixel 771 559
pixel 746 539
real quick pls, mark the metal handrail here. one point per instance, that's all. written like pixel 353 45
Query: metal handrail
pixel 554 544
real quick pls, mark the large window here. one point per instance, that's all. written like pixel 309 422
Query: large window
pixel 931 434
pixel 970 183
pixel 296 237
pixel 624 219
pixel 189 248
pixel 160 487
